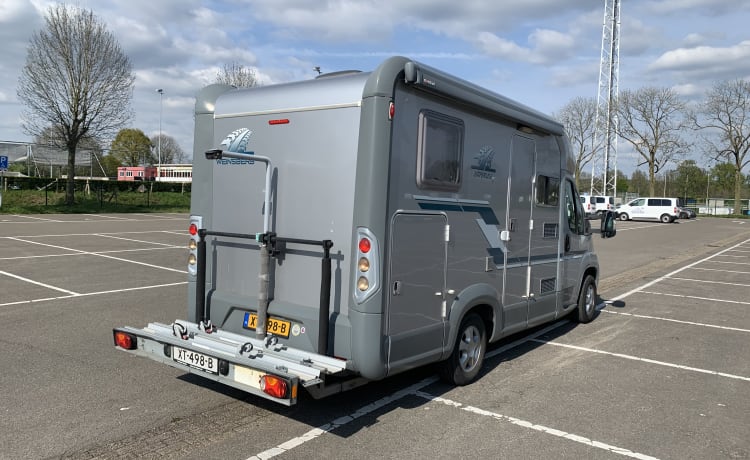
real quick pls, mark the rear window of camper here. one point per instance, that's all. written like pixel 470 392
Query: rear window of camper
pixel 440 149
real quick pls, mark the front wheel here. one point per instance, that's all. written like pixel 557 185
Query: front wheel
pixel 465 362
pixel 623 216
pixel 587 300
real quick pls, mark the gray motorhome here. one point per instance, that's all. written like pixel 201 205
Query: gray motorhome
pixel 357 225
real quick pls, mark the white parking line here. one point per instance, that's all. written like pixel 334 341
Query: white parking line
pixel 48 286
pixel 86 294
pixel 709 281
pixel 534 426
pixel 670 274
pixel 104 235
pixel 690 323
pixel 98 254
pixel 416 390
pixel 710 299
pixel 645 360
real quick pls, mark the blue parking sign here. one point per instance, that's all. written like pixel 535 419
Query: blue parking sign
pixel 3 162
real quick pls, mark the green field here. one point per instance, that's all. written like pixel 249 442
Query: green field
pixel 107 198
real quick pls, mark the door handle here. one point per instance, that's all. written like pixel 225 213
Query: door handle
pixel 396 290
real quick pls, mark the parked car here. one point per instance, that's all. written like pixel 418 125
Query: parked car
pixel 686 213
pixel 595 204
pixel 664 210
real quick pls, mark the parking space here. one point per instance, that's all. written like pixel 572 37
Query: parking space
pixel 662 372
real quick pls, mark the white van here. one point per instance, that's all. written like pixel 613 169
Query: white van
pixel 596 204
pixel 652 208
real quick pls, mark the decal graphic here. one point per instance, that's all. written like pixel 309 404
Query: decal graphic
pixel 237 142
pixel 488 222
pixel 484 164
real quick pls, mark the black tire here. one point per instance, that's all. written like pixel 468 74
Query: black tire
pixel 465 362
pixel 666 218
pixel 623 216
pixel 587 300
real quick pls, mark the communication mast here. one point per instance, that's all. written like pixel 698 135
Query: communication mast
pixel 606 125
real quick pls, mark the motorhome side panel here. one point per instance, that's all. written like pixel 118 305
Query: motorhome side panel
pixel 473 203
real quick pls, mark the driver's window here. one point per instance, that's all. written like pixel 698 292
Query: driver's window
pixel 573 209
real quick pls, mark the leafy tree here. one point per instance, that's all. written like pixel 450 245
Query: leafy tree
pixel 171 152
pixel 132 148
pixel 651 119
pixel 76 79
pixel 110 163
pixel 236 74
pixel 689 179
pixel 639 183
pixel 724 117
pixel 723 178
pixel 579 119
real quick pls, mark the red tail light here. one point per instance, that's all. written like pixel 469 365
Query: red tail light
pixel 274 386
pixel 364 245
pixel 193 229
pixel 125 340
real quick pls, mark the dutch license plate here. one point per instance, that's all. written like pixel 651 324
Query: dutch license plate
pixel 193 359
pixel 273 326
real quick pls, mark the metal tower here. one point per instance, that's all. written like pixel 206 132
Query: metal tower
pixel 605 136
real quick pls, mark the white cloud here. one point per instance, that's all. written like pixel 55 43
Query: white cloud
pixel 705 60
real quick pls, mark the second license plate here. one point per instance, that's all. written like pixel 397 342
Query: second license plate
pixel 194 359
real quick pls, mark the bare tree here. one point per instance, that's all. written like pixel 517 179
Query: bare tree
pixel 651 120
pixel 579 119
pixel 76 80
pixel 725 118
pixel 237 75
pixel 171 152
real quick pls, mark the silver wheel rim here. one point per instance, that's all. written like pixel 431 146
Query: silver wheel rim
pixel 590 299
pixel 469 348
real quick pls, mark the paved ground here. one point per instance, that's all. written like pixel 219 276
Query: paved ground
pixel 662 372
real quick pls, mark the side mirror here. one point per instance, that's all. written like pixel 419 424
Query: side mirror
pixel 608 229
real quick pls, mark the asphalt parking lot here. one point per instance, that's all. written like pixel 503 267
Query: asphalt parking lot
pixel 662 372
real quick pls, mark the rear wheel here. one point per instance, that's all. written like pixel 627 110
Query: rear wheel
pixel 587 300
pixel 468 353
pixel 666 218
pixel 623 216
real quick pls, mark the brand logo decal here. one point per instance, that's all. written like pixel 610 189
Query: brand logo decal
pixel 484 163
pixel 237 142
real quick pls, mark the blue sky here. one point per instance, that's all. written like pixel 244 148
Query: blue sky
pixel 543 53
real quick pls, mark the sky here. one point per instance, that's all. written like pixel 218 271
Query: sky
pixel 543 53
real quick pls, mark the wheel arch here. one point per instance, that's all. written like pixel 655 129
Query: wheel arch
pixel 480 299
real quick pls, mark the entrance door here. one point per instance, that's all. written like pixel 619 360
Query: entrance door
pixel 416 309
pixel 517 266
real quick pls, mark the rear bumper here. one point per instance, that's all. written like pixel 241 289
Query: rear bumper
pixel 242 362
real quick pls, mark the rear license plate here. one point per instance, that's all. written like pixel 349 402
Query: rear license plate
pixel 273 326
pixel 197 360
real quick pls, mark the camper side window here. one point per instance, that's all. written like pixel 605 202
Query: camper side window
pixel 547 190
pixel 440 149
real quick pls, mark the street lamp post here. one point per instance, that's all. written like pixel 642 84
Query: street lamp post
pixel 158 168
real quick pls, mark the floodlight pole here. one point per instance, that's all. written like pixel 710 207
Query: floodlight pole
pixel 158 168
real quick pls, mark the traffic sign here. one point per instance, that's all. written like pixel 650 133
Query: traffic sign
pixel 3 162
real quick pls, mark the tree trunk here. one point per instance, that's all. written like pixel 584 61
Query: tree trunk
pixel 737 191
pixel 70 183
